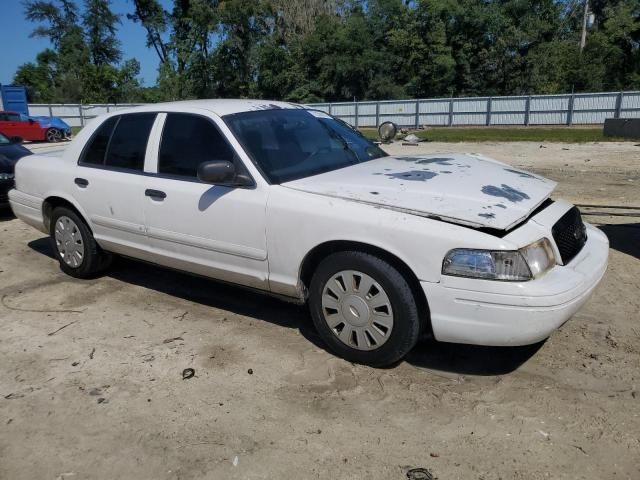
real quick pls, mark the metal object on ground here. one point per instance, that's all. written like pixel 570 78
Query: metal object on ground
pixel 357 309
pixel 387 131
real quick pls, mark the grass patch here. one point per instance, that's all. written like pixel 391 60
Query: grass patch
pixel 500 134
pixel 75 130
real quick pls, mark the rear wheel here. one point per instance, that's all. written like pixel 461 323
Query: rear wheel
pixel 364 309
pixel 53 135
pixel 74 246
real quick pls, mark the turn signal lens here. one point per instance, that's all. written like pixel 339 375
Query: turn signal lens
pixel 539 256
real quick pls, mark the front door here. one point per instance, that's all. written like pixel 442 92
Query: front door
pixel 211 230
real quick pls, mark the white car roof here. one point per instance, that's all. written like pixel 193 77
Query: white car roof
pixel 218 106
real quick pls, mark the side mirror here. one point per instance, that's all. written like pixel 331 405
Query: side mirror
pixel 16 140
pixel 31 121
pixel 219 172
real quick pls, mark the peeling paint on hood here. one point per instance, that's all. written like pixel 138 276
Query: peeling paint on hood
pixel 463 188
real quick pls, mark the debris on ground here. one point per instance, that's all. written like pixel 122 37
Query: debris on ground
pixel 250 371
pixel 411 140
pixel 188 373
pixel 91 354
pixel 420 474
pixel 174 339
pixel 61 328
pixel 149 357
pixel 13 396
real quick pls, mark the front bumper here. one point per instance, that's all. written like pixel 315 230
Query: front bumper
pixel 473 311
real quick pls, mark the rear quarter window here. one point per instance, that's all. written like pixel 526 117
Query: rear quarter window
pixel 96 149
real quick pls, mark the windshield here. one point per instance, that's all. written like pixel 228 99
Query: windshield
pixel 4 140
pixel 289 144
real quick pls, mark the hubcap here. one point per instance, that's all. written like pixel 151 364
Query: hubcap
pixel 357 309
pixel 69 242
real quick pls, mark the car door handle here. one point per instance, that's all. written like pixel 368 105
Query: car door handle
pixel 155 194
pixel 81 182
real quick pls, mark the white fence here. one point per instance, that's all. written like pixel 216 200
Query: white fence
pixel 569 109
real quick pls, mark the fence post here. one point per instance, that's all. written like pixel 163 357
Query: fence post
pixel 489 111
pixel 618 105
pixel 108 109
pixel 527 110
pixel 377 113
pixel 330 110
pixel 50 110
pixel 417 114
pixel 450 111
pixel 570 111
pixel 81 115
pixel 356 107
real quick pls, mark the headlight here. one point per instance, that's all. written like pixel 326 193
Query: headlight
pixel 489 265
pixel 6 176
pixel 507 265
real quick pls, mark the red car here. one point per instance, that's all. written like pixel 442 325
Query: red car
pixel 50 129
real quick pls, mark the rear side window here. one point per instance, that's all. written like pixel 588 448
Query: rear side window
pixel 129 141
pixel 187 141
pixel 120 142
pixel 97 148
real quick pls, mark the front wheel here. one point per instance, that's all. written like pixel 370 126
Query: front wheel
pixel 74 246
pixel 364 308
pixel 53 135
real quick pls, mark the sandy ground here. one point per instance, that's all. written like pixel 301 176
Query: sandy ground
pixel 91 371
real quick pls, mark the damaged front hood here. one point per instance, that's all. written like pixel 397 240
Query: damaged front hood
pixel 463 188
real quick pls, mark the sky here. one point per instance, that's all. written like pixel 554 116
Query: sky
pixel 16 47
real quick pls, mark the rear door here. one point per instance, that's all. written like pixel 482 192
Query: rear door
pixel 110 182
pixel 212 230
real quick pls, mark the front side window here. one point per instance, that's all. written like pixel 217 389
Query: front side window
pixel 13 117
pixel 187 141
pixel 288 144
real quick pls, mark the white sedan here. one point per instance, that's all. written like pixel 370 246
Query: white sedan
pixel 296 203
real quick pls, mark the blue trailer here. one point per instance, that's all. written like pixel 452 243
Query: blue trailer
pixel 14 98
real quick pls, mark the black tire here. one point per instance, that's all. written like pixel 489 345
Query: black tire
pixel 94 260
pixel 406 318
pixel 53 135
